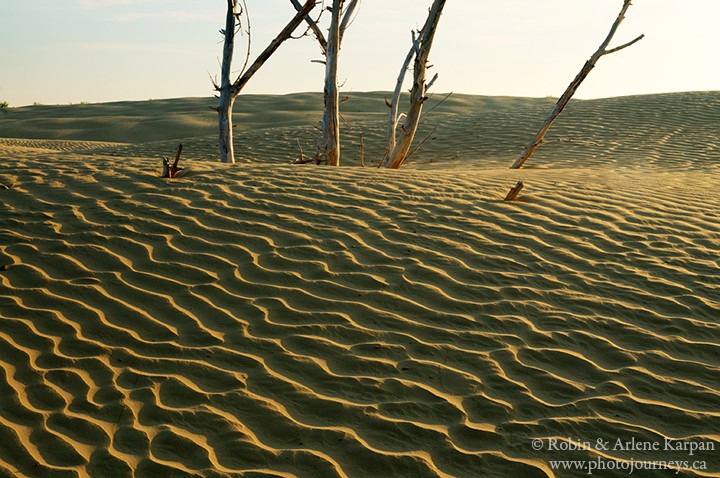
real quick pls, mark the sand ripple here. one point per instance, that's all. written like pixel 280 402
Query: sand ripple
pixel 280 321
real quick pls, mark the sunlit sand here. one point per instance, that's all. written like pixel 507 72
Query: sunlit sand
pixel 265 319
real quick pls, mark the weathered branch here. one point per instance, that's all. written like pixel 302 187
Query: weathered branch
pixel 563 140
pixel 615 26
pixel 314 27
pixel 244 9
pixel 302 156
pixel 273 46
pixel 431 82
pixel 214 82
pixel 622 47
pixel 417 148
pixel 439 103
pixel 228 45
pixel 537 141
pixel 347 17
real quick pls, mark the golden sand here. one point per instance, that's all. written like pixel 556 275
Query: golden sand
pixel 264 319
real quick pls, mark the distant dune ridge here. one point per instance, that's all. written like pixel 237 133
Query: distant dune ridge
pixel 273 320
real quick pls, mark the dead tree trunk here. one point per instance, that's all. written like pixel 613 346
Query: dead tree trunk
pixel 331 113
pixel 228 90
pixel 340 20
pixel 420 50
pixel 224 109
pixel 394 105
pixel 538 140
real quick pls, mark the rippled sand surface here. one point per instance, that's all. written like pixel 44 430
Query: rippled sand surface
pixel 272 320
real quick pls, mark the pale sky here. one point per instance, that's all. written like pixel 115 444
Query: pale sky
pixel 72 51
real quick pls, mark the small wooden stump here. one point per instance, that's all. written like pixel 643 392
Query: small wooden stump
pixel 513 194
pixel 171 171
pixel 301 160
pixel 362 151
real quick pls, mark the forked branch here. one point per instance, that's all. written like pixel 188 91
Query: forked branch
pixel 313 26
pixel 537 141
pixel 273 46
pixel 420 51
pixel 172 171
pixel 228 90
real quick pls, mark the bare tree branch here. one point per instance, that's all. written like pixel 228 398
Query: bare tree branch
pixel 441 101
pixel 622 47
pixel 564 140
pixel 314 27
pixel 431 82
pixel 417 148
pixel 273 46
pixel 537 141
pixel 249 41
pixel 615 26
pixel 347 17
pixel 229 91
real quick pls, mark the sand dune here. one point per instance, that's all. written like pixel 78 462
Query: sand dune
pixel 271 320
pixel 672 130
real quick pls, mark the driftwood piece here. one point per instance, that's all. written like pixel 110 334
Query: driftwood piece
pixel 537 141
pixel 171 171
pixel 317 159
pixel 515 191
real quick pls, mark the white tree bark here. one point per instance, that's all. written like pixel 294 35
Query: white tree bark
pixel 331 114
pixel 538 140
pixel 347 17
pixel 228 90
pixel 394 105
pixel 340 20
pixel 224 109
pixel 399 153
